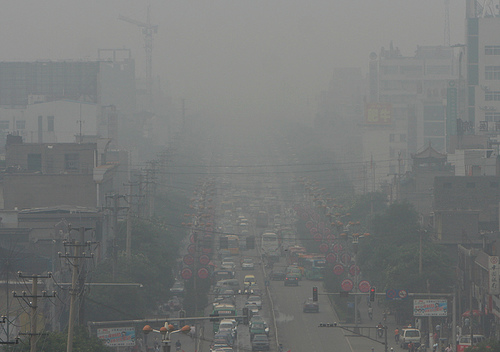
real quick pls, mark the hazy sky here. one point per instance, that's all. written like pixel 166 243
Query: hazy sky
pixel 236 59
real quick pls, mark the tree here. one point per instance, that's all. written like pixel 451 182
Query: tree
pixel 390 257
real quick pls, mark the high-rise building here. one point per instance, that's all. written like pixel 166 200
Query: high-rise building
pixel 405 110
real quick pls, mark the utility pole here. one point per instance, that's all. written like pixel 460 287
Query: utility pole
pixel 33 304
pixel 74 259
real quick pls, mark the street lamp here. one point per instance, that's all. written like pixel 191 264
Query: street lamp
pixel 166 331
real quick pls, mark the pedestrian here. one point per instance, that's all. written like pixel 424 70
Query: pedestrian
pixel 396 335
pixel 448 348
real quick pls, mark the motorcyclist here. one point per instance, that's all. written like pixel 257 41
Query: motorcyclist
pixel 380 329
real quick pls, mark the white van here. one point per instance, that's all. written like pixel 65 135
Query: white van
pixel 408 336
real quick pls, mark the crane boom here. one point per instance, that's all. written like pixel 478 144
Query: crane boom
pixel 148 31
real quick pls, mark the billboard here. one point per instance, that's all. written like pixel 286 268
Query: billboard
pixel 378 113
pixel 430 307
pixel 114 337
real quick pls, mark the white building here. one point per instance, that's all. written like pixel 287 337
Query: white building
pixel 61 121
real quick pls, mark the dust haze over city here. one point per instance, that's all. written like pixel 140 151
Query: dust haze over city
pixel 253 160
pixel 233 60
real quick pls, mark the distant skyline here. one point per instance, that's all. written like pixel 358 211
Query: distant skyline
pixel 232 59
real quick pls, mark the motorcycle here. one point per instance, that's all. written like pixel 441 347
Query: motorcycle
pixel 380 331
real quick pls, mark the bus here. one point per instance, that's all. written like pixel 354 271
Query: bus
pixel 223 310
pixel 229 245
pixel 261 219
pixel 314 268
pixel 293 252
pixel 312 265
pixel 270 245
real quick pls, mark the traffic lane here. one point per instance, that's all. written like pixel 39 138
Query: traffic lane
pixel 299 331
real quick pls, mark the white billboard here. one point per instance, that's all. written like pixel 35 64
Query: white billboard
pixel 115 337
pixel 430 307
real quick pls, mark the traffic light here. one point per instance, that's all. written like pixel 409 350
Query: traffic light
pixel 372 294
pixel 315 294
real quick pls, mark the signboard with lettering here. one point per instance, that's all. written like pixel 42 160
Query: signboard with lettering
pixel 378 113
pixel 114 337
pixel 493 273
pixel 430 307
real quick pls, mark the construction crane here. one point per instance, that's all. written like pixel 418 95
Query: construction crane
pixel 148 30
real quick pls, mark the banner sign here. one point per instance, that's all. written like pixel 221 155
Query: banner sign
pixel 493 275
pixel 430 307
pixel 114 337
pixel 378 113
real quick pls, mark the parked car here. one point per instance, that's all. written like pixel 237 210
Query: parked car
pixel 291 279
pixel 310 306
pixel 260 342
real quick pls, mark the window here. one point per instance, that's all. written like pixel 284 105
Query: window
pixel 438 70
pixel 402 137
pixel 470 185
pixel 492 50
pixel 390 70
pixel 4 125
pixel 492 96
pixel 492 73
pixel 50 123
pixel 492 116
pixel 411 70
pixel 392 137
pixel 20 124
pixel 35 162
pixel 71 161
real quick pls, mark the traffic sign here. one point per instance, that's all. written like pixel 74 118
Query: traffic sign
pixel 347 285
pixel 364 286
pixel 338 269
pixel 396 294
pixel 403 294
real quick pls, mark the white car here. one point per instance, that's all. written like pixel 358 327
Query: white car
pixel 247 264
pixel 255 300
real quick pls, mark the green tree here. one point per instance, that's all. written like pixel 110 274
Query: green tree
pixel 390 257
